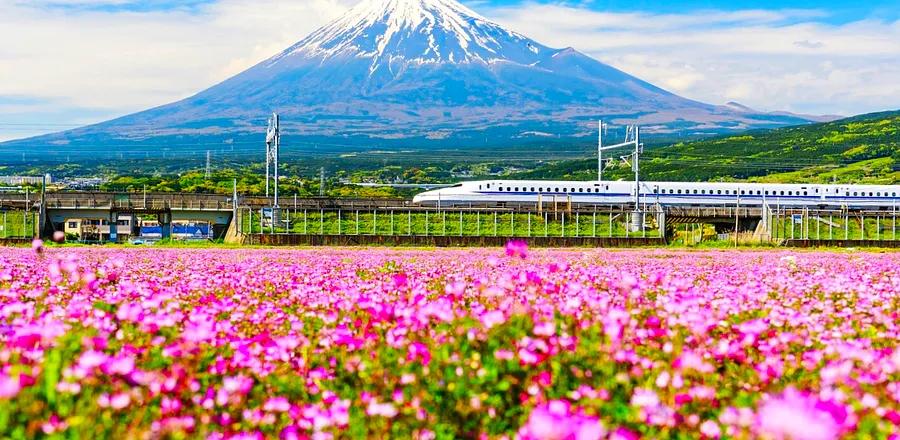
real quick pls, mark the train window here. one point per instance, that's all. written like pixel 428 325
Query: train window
pixel 855 194
pixel 893 194
pixel 720 191
pixel 870 194
pixel 532 189
pixel 540 189
pixel 573 189
pixel 500 189
pixel 695 191
pixel 581 190
pixel 679 191
pixel 805 193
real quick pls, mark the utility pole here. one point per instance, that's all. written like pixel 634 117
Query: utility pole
pixel 208 174
pixel 600 151
pixel 273 142
pixel 632 138
pixel 42 212
pixel 636 166
pixel 322 182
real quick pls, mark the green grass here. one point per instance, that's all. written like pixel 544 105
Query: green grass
pixel 862 149
pixel 838 228
pixel 450 223
pixel 17 224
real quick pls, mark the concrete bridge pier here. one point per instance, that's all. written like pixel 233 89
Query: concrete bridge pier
pixel 113 226
pixel 165 224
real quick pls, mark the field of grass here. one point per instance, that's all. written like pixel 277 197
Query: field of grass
pixel 837 228
pixel 450 223
pixel 17 224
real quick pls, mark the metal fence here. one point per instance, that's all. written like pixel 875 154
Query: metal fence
pixel 451 222
pixel 823 224
pixel 18 224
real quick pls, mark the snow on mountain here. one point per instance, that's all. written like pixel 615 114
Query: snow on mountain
pixel 418 72
pixel 415 31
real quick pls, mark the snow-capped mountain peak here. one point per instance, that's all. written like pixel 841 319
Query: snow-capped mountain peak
pixel 415 31
pixel 421 72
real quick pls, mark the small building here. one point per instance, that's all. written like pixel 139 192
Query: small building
pixel 92 229
pixel 25 180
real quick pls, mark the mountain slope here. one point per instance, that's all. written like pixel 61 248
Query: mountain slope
pixel 863 148
pixel 413 72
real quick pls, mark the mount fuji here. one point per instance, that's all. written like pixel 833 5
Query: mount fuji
pixel 413 73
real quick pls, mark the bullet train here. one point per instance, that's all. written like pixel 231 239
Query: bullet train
pixel 503 192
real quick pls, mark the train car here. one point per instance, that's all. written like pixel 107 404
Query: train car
pixel 509 192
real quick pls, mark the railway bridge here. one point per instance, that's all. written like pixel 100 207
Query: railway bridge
pixel 247 218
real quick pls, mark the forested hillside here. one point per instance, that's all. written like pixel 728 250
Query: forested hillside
pixel 864 148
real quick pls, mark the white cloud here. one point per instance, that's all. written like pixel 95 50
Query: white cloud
pixel 84 65
pixel 112 63
pixel 771 60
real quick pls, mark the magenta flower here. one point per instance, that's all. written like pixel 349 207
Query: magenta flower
pixel 9 386
pixel 558 421
pixel 800 416
pixel 517 248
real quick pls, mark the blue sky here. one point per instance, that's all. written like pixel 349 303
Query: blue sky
pixel 837 11
pixel 83 61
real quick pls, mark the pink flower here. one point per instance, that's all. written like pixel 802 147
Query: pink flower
pixel 517 248
pixel 492 318
pixel 800 416
pixel 277 404
pixel 381 409
pixel 643 398
pixel 710 429
pixel 115 401
pixel 122 365
pixel 418 351
pixel 545 329
pixel 623 434
pixel 9 387
pixel 557 421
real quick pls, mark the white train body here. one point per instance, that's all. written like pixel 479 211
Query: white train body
pixel 501 192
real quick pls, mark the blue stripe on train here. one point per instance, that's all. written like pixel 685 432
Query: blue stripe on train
pixel 743 196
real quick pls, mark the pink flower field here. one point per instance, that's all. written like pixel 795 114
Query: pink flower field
pixel 176 343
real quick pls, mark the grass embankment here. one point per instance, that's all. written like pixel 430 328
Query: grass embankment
pixel 17 224
pixel 451 223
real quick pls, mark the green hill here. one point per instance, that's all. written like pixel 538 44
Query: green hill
pixel 861 149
